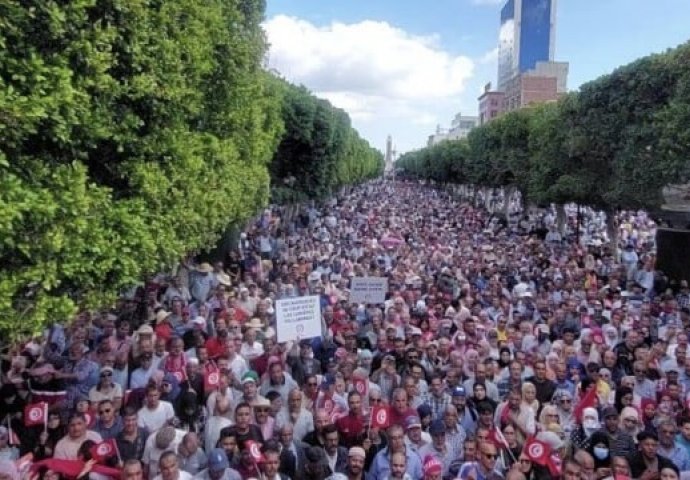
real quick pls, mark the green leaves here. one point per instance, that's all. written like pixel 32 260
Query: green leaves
pixel 615 143
pixel 133 132
pixel 319 151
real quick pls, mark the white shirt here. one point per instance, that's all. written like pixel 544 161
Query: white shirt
pixel 152 454
pixel 153 420
pixel 181 476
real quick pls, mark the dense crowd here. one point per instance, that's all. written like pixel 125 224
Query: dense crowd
pixel 506 348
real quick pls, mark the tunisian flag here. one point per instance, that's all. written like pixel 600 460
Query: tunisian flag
pixel 588 400
pixel 542 454
pixel 104 450
pixel 380 417
pixel 36 414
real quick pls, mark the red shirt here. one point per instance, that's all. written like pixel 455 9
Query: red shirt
pixel 351 429
pixel 215 348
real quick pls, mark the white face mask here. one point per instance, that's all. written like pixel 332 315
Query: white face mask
pixel 590 424
pixel 601 453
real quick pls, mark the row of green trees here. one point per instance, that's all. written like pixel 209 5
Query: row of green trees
pixel 134 131
pixel 319 151
pixel 613 144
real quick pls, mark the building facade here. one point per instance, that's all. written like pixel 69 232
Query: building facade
pixel 490 104
pixel 461 126
pixel 527 36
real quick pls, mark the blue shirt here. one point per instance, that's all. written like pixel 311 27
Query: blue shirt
pixel 381 465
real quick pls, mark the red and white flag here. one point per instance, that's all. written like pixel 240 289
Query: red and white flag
pixel 104 450
pixel 211 380
pixel 497 438
pixel 589 399
pixel 36 414
pixel 537 451
pixel 361 386
pixel 254 450
pixel 380 417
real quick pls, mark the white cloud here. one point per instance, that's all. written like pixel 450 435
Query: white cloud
pixel 489 57
pixel 371 69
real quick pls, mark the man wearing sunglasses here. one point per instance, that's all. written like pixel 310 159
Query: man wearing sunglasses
pixel 485 467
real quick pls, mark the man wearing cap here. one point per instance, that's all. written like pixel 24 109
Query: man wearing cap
pixel 218 467
pixel 466 417
pixel 415 438
pixel 202 282
pixel 250 389
pixel 620 443
pixel 355 463
pixel 439 447
pixel 433 468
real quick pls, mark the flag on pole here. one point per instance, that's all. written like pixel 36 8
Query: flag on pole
pixel 211 380
pixel 589 399
pixel 380 417
pixel 537 451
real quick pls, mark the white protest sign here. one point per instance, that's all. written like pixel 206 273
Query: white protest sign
pixel 298 318
pixel 368 289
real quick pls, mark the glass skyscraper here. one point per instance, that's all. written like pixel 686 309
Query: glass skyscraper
pixel 527 36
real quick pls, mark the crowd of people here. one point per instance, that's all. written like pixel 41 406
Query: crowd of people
pixel 505 348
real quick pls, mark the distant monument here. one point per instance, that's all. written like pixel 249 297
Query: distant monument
pixel 390 155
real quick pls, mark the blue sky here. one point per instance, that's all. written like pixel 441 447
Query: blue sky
pixel 402 67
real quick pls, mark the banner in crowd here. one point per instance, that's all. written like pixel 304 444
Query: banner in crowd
pixel 368 289
pixel 298 318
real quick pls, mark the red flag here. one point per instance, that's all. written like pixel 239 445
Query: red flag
pixel 254 451
pixel 537 451
pixel 504 419
pixel 380 417
pixel 555 464
pixel 496 437
pixel 211 380
pixel 588 400
pixel 104 450
pixel 361 386
pixel 36 414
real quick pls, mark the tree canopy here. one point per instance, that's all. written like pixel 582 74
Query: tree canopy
pixel 320 151
pixel 135 132
pixel 615 143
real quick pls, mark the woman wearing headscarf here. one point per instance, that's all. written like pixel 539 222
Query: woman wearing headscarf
pixel 581 436
pixel 630 422
pixel 170 390
pixel 563 400
pixel 648 410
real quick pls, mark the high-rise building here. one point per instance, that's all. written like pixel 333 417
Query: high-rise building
pixel 527 36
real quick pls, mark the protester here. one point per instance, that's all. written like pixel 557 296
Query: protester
pixel 489 338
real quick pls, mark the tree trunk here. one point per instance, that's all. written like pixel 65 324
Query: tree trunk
pixel 612 231
pixel 508 193
pixel 561 218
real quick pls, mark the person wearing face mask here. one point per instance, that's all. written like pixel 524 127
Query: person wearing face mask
pixel 599 449
pixel 581 436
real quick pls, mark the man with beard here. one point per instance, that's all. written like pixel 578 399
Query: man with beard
pixel 355 463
